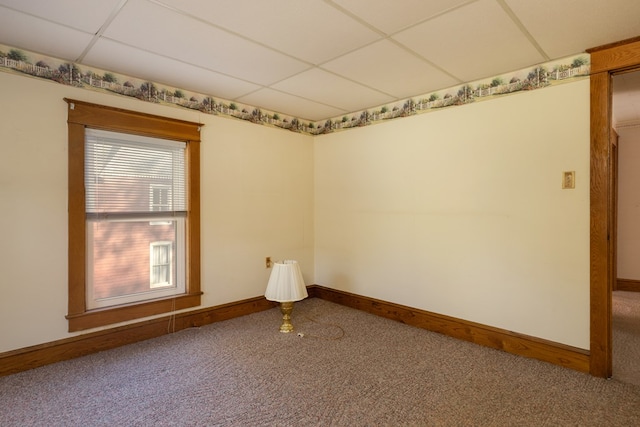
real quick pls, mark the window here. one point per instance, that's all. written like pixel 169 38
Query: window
pixel 133 215
pixel 159 197
pixel 120 170
pixel 161 263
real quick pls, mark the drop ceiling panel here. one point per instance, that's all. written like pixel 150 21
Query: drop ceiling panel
pixel 313 59
pixel 84 15
pixel 326 88
pixel 116 57
pixel 277 101
pixel 472 42
pixel 400 74
pixel 192 41
pixel 393 16
pixel 37 35
pixel 564 28
pixel 310 30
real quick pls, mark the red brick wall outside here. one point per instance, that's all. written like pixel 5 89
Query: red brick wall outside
pixel 121 255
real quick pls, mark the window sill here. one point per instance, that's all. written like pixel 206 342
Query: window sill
pixel 108 316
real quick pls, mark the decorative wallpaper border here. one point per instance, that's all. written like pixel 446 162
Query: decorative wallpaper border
pixel 541 76
pixel 13 60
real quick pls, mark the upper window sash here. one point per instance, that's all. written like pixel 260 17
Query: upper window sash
pixel 121 168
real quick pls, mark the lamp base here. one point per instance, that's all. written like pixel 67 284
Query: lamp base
pixel 286 308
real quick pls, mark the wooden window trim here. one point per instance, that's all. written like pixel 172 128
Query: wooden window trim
pixel 80 116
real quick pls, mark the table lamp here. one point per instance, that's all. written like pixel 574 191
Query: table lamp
pixel 285 286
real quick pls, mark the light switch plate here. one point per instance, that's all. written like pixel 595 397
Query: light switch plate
pixel 568 179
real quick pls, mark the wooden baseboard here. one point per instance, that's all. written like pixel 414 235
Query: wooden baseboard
pixel 511 342
pixel 628 285
pixel 39 355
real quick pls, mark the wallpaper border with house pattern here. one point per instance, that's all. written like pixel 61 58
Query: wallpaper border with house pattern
pixel 14 60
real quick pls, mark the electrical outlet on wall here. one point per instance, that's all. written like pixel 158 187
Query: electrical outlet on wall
pixel 267 262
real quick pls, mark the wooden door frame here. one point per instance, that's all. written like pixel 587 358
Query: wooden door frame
pixel 613 200
pixel 605 61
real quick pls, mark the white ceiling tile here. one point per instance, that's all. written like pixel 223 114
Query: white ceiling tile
pixel 284 103
pixel 393 16
pixel 400 74
pixel 472 42
pixel 326 88
pixel 85 15
pixel 113 56
pixel 194 42
pixel 311 30
pixel 565 28
pixel 34 34
pixel 235 49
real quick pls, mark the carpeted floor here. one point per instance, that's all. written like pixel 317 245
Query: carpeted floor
pixel 626 337
pixel 350 369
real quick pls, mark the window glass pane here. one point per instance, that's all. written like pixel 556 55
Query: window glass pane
pixel 119 261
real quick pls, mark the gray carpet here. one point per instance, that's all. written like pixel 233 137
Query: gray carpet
pixel 350 369
pixel 626 337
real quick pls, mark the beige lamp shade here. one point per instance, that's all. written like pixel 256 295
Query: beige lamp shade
pixel 286 282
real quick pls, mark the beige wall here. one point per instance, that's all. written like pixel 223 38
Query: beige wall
pixel 629 203
pixel 458 212
pixel 461 212
pixel 256 195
